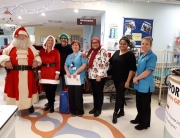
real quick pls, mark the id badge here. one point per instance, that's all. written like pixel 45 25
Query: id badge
pixel 74 68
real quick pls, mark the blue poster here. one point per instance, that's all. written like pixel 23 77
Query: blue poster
pixel 138 28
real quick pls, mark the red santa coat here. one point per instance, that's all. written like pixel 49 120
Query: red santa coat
pixel 20 86
pixel 48 73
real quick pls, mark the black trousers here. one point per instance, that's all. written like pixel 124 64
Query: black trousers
pixel 63 81
pixel 143 105
pixel 98 94
pixel 76 99
pixel 120 95
pixel 50 90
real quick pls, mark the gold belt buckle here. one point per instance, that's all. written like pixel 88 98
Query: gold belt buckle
pixel 47 65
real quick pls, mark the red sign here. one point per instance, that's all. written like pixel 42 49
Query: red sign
pixel 86 21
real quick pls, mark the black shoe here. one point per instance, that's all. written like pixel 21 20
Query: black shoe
pixel 134 122
pixel 51 109
pixel 121 113
pixel 97 113
pixel 46 104
pixel 47 107
pixel 139 127
pixel 92 111
pixel 114 120
pixel 31 109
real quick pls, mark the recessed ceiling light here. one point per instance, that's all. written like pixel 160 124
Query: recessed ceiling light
pixel 19 17
pixel 9 25
pixel 76 10
pixel 43 14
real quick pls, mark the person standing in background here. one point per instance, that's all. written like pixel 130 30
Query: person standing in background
pixel 144 84
pixel 75 65
pixel 123 63
pixel 50 70
pixel 64 49
pixel 98 64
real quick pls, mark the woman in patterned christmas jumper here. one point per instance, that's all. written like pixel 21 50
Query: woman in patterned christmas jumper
pixel 50 70
pixel 98 63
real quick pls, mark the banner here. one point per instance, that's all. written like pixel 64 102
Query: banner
pixel 172 113
pixel 138 28
pixel 113 42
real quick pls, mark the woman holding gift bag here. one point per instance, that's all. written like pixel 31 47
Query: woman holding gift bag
pixel 75 65
pixel 50 70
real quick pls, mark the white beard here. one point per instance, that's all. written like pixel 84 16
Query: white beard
pixel 24 44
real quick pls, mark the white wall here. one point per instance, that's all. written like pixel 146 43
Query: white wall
pixel 166 20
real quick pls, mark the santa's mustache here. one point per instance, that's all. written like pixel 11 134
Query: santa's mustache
pixel 25 43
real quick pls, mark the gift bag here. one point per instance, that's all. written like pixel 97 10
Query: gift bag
pixel 64 102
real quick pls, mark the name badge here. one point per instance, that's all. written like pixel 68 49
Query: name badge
pixel 73 68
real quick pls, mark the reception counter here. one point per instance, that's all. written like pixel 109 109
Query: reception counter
pixel 8 119
pixel 172 112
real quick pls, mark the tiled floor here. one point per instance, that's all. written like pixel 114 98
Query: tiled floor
pixel 42 124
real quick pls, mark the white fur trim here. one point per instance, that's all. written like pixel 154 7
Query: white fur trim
pixel 8 49
pixel 25 104
pixel 22 52
pixel 19 32
pixel 36 55
pixel 46 41
pixel 47 81
pixel 4 59
pixel 23 33
pixel 57 72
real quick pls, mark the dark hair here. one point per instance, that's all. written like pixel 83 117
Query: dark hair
pixel 148 38
pixel 125 38
pixel 76 41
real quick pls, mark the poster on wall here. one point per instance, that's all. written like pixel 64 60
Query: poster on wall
pixel 112 44
pixel 172 112
pixel 138 28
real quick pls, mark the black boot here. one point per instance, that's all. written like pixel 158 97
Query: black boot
pixel 31 109
pixel 97 113
pixel 92 111
pixel 121 113
pixel 51 109
pixel 47 107
pixel 114 120
pixel 46 104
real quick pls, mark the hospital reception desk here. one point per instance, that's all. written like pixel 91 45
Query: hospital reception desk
pixel 8 119
pixel 172 112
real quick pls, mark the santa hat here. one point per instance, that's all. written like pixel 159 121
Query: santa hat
pixel 20 30
pixel 44 43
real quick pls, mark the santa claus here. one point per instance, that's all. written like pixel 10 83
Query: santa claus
pixel 20 58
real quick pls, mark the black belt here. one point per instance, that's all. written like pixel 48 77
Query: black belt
pixel 22 67
pixel 49 65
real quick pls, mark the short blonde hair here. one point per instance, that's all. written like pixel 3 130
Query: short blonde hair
pixel 148 38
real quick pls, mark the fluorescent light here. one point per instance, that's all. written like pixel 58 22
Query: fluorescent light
pixel 8 25
pixel 76 10
pixel 19 17
pixel 43 14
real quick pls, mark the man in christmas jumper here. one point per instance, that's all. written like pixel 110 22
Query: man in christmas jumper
pixel 19 58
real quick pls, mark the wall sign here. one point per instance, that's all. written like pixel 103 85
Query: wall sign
pixel 81 21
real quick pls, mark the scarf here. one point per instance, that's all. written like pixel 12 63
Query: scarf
pixel 94 52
